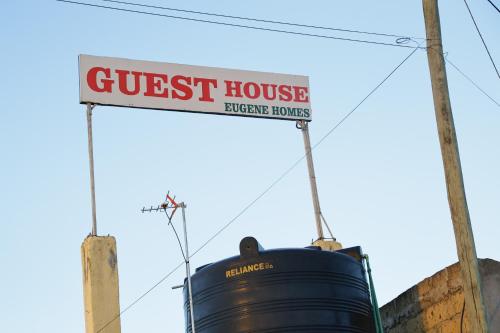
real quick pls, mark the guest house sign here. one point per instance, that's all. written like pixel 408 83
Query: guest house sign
pixel 165 86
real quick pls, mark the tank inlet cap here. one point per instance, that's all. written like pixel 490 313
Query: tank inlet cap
pixel 250 247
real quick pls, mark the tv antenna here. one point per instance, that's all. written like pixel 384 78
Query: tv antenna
pixel 169 206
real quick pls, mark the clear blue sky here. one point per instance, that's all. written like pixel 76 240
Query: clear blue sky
pixel 380 174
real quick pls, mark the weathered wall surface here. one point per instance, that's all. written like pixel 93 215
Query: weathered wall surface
pixel 436 304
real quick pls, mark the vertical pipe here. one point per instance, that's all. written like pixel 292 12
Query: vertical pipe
pixel 188 268
pixel 312 177
pixel 91 166
pixel 376 311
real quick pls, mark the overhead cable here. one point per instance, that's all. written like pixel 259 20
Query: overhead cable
pixel 138 299
pixel 482 39
pixel 491 2
pixel 263 193
pixel 260 20
pixel 287 171
pixel 471 81
pixel 399 43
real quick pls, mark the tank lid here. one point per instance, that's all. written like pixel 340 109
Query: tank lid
pixel 250 247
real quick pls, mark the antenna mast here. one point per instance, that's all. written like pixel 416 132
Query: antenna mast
pixel 171 205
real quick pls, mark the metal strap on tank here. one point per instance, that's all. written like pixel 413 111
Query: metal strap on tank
pixel 376 313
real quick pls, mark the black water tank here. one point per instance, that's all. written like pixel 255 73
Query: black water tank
pixel 281 291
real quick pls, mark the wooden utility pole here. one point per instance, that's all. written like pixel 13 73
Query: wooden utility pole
pixel 464 238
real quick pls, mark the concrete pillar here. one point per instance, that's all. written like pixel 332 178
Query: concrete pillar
pixel 100 285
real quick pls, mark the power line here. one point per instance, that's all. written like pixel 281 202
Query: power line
pixel 284 174
pixel 471 81
pixel 274 183
pixel 245 18
pixel 363 100
pixel 482 39
pixel 138 299
pixel 398 43
pixel 498 10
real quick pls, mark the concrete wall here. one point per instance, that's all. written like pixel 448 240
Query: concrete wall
pixel 435 305
pixel 100 285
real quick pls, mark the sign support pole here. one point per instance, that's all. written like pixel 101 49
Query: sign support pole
pixel 466 250
pixel 90 107
pixel 188 267
pixel 304 127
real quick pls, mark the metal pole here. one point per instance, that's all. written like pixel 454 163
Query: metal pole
pixel 303 126
pixel 464 238
pixel 90 107
pixel 327 227
pixel 188 268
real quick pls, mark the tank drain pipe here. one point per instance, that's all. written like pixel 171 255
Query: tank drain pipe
pixel 376 312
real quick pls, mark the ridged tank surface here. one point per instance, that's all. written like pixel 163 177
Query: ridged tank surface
pixel 278 291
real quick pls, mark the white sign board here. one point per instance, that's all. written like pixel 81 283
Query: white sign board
pixel 165 86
